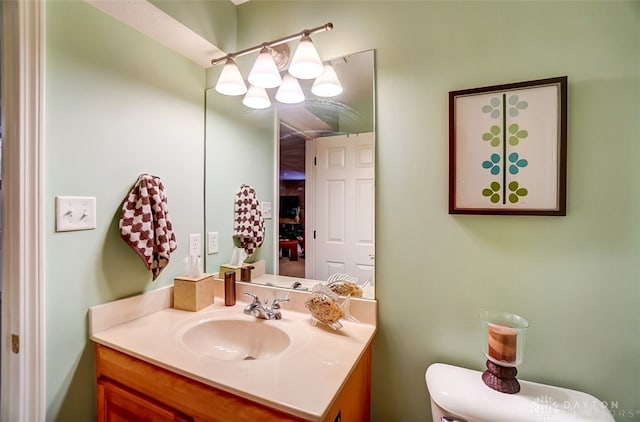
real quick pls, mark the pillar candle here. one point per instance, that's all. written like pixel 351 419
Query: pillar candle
pixel 502 343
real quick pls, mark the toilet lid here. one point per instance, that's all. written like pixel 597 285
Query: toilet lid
pixel 462 392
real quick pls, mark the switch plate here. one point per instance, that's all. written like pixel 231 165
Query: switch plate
pixel 75 213
pixel 212 241
pixel 195 240
pixel 267 210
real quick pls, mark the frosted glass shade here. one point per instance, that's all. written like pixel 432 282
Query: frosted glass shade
pixel 256 97
pixel 306 63
pixel 327 84
pixel 230 81
pixel 264 73
pixel 290 91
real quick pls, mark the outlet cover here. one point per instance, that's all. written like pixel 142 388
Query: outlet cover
pixel 194 244
pixel 267 210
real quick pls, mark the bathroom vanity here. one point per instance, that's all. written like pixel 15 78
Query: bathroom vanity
pixel 155 363
pixel 132 389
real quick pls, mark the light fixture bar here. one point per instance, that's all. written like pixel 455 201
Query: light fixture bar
pixel 283 40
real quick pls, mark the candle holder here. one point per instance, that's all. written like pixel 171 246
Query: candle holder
pixel 504 347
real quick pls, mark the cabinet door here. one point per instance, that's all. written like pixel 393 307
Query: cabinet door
pixel 353 404
pixel 117 404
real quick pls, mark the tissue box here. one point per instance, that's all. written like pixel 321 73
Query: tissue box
pixel 193 294
pixel 258 268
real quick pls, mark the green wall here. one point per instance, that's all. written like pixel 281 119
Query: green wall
pixel 239 150
pixel 117 104
pixel 575 278
pixel 213 20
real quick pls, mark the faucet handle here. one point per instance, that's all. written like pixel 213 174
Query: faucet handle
pixel 254 296
pixel 276 302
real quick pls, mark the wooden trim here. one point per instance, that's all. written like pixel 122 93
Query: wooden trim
pixel 23 379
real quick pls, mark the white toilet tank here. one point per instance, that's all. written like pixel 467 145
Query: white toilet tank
pixel 459 394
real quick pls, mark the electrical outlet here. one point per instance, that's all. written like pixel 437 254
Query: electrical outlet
pixel 195 240
pixel 212 243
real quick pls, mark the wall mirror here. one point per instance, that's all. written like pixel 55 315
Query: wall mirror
pixel 314 161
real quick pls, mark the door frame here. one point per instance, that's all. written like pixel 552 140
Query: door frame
pixel 310 208
pixel 23 374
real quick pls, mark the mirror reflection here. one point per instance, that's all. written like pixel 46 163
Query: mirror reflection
pixel 318 175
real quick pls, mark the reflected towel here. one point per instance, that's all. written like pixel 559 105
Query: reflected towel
pixel 145 225
pixel 248 222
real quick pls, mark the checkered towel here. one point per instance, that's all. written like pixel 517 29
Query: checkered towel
pixel 248 221
pixel 145 225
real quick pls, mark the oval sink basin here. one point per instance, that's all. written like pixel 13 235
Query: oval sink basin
pixel 235 339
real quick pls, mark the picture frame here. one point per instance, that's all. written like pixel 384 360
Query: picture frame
pixel 508 149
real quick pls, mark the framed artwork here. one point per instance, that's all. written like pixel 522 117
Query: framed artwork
pixel 508 149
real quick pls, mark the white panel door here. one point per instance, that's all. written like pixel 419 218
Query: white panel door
pixel 344 219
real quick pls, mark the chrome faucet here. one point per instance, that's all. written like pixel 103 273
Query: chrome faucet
pixel 264 311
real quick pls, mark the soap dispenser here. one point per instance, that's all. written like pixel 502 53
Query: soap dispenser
pixel 245 273
pixel 229 288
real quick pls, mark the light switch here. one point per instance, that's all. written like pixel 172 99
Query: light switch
pixel 75 213
pixel 266 210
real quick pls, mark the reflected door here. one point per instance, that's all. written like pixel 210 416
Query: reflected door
pixel 344 205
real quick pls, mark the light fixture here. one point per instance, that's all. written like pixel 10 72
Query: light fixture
pixel 264 73
pixel 290 91
pixel 327 84
pixel 230 81
pixel 280 54
pixel 256 97
pixel 306 63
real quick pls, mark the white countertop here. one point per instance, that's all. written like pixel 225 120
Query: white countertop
pixel 286 282
pixel 303 380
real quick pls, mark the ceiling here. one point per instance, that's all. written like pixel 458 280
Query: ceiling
pixel 318 117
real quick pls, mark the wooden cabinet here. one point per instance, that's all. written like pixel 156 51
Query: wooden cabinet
pixel 129 389
pixel 354 401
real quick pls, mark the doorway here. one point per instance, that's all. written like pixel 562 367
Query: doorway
pixel 328 214
pixel 292 210
pixel 342 190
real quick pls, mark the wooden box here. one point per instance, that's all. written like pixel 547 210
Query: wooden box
pixel 193 294
pixel 258 269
